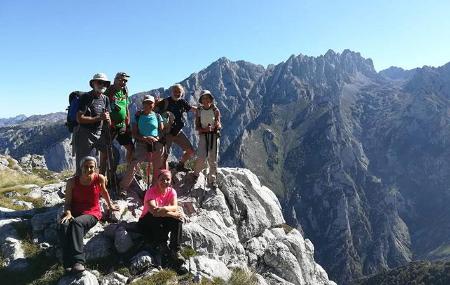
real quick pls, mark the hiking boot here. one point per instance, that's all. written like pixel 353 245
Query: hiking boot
pixel 78 267
pixel 176 256
pixel 180 270
pixel 181 168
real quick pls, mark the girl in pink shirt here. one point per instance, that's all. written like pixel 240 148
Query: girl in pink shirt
pixel 161 217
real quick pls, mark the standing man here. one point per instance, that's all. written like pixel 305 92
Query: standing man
pixel 177 105
pixel 93 112
pixel 120 114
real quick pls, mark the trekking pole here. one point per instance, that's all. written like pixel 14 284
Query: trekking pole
pixel 111 176
pixel 149 158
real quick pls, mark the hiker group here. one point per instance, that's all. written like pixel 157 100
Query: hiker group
pixel 102 115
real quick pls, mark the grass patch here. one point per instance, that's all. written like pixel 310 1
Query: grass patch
pixel 241 276
pixel 48 176
pixel 441 251
pixel 42 270
pixel 11 162
pixel 124 271
pixel 65 174
pixel 11 178
pixel 287 228
pixel 7 202
pixel 160 278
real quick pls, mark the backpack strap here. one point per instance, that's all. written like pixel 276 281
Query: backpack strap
pixel 198 124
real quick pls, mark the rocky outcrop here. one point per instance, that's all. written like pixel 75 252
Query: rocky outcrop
pixel 237 225
pixel 60 156
pixel 35 135
pixel 30 162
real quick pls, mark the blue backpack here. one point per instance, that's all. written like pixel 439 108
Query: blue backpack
pixel 72 109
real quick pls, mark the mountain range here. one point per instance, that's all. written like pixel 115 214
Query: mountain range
pixel 358 158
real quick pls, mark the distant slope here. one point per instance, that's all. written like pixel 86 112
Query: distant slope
pixel 422 272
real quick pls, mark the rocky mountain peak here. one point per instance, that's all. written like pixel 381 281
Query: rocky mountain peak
pixel 397 73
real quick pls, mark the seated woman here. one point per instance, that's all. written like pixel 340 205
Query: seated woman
pixel 160 216
pixel 81 212
pixel 146 127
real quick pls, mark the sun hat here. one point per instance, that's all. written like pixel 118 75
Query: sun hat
pixel 205 93
pixel 99 77
pixel 148 98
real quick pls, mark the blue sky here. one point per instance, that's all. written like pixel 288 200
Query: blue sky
pixel 49 48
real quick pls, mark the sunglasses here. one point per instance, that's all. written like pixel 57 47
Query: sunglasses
pixel 102 83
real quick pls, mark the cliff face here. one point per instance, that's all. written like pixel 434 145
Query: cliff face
pixel 238 224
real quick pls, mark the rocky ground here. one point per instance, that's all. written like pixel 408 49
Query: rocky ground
pixel 229 232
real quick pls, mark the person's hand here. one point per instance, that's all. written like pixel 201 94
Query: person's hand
pixel 177 215
pixel 114 207
pixel 66 217
pixel 105 116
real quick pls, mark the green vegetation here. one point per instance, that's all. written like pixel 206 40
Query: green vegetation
pixel 440 252
pixel 287 228
pixel 420 272
pixel 10 179
pixel 42 269
pixel 240 276
pixel 48 176
pixel 188 252
pixel 13 181
pixel 162 277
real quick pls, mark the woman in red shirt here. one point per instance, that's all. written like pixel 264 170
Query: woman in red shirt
pixel 160 216
pixel 81 212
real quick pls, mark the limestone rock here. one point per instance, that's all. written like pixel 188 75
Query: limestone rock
pixel 209 268
pixel 114 278
pixel 84 278
pixel 32 161
pixel 141 262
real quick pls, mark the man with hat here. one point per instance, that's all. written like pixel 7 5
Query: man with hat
pixel 93 112
pixel 120 114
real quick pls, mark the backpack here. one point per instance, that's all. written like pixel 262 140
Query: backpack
pixel 72 110
pixel 161 106
pixel 198 115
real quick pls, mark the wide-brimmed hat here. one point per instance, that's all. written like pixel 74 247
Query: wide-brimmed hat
pixel 148 98
pixel 204 93
pixel 99 77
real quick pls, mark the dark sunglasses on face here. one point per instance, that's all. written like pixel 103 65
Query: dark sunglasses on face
pixel 102 83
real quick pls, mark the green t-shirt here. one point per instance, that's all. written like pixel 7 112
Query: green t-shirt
pixel 119 109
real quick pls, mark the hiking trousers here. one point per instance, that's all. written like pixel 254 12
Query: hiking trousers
pixel 71 238
pixel 141 154
pixel 86 141
pixel 208 146
pixel 156 230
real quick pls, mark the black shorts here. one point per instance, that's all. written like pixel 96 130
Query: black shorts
pixel 124 138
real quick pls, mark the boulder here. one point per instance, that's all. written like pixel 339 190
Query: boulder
pixel 84 278
pixel 114 278
pixel 141 262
